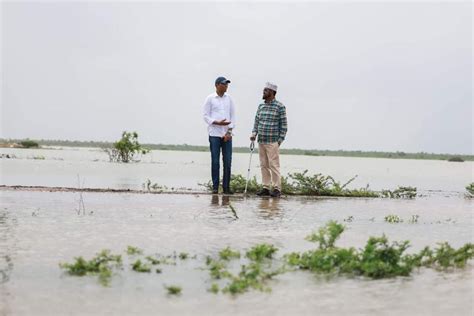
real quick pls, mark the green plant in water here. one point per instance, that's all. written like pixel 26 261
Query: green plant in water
pixel 413 219
pixel 234 212
pixel 173 289
pixel 149 186
pixel 132 251
pixel 183 256
pixel 349 219
pixel 237 184
pixel 126 148
pixel 217 268
pixel 470 190
pixel 300 183
pixel 138 266
pixel 393 219
pixel 228 254
pixel 261 251
pixel 400 193
pixel 101 265
pixel 326 236
pixel 251 276
pixel 153 261
pixel 378 259
pixel 214 288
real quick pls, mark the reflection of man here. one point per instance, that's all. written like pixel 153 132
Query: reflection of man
pixel 269 208
pixel 271 126
pixel 215 200
pixel 219 114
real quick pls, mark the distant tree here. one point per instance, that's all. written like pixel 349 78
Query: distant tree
pixel 126 148
pixel 456 159
pixel 29 144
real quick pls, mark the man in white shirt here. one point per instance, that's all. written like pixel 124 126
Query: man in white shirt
pixel 219 115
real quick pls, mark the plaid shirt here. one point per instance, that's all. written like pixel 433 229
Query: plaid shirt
pixel 270 122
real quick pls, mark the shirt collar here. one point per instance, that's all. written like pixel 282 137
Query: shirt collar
pixel 217 96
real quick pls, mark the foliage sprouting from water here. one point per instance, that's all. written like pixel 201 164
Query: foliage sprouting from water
pixel 125 149
pixel 131 251
pixel 173 289
pixel 393 219
pixel 260 252
pixel 101 265
pixel 470 190
pixel 150 186
pixel 378 259
pixel 400 193
pixel 227 254
pixel 140 267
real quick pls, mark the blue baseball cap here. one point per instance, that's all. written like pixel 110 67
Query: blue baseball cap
pixel 222 80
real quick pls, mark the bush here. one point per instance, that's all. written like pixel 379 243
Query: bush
pixel 29 144
pixel 456 159
pixel 126 148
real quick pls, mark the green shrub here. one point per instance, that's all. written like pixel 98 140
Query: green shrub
pixel 101 265
pixel 470 190
pixel 126 148
pixel 29 144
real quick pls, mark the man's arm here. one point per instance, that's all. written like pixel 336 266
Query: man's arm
pixel 232 114
pixel 207 112
pixel 255 126
pixel 283 124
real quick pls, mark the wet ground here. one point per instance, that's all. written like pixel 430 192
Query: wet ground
pixel 38 230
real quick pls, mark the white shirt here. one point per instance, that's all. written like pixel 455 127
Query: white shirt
pixel 217 108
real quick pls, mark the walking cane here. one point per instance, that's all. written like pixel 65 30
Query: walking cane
pixel 252 147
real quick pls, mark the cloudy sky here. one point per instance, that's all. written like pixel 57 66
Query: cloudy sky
pixel 357 76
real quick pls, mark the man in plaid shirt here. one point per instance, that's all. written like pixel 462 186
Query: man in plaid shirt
pixel 270 126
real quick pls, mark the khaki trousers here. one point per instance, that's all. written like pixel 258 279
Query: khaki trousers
pixel 270 165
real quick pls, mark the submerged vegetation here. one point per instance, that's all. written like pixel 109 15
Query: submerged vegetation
pixel 101 265
pixel 400 193
pixel 470 190
pixel 378 259
pixel 233 274
pixel 301 183
pixel 173 289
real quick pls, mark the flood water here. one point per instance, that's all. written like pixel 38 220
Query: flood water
pixel 38 230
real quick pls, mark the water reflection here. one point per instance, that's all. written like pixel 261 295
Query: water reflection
pixel 221 206
pixel 269 208
pixel 224 201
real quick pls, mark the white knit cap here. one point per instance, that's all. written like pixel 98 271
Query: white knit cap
pixel 271 86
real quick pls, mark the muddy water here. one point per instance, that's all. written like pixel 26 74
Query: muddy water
pixel 40 229
pixel 61 167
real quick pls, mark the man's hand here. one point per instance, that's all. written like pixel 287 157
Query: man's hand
pixel 222 123
pixel 227 137
pixel 253 137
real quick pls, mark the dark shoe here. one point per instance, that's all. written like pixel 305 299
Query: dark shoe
pixel 263 192
pixel 215 191
pixel 228 191
pixel 276 193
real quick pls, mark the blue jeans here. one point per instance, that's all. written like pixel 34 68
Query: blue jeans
pixel 216 143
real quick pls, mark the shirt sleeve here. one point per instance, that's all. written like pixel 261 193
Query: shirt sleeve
pixel 207 112
pixel 232 114
pixel 283 124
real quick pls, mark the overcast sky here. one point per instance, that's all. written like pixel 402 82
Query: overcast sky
pixel 355 76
